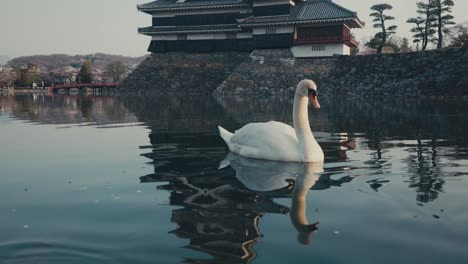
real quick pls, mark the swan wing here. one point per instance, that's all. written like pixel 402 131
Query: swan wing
pixel 272 140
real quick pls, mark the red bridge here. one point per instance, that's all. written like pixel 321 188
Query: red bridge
pixel 82 86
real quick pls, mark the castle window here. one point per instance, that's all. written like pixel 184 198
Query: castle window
pixel 318 47
pixel 231 35
pixel 271 31
pixel 181 36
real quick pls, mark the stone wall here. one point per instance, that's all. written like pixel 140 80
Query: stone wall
pixel 176 72
pixel 431 73
pixel 276 72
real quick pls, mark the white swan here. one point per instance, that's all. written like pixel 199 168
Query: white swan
pixel 278 141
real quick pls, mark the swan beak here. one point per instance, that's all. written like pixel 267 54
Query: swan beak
pixel 314 101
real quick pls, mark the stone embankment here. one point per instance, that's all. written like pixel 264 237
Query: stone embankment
pixel 273 72
pixel 276 72
pixel 431 73
pixel 185 73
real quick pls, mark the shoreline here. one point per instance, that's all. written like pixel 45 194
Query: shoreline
pixel 23 91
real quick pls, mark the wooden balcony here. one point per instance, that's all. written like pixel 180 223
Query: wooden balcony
pixel 349 41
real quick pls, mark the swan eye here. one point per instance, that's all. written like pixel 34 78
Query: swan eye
pixel 312 92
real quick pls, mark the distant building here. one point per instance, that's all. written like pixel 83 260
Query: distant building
pixel 312 28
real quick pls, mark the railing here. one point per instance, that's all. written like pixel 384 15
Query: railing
pixel 328 39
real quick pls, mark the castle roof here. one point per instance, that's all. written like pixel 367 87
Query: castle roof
pixel 189 29
pixel 311 11
pixel 167 5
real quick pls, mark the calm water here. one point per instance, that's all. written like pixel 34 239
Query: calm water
pixel 98 180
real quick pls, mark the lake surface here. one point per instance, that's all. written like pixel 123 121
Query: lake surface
pixel 137 180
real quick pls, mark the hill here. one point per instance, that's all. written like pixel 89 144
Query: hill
pixel 99 60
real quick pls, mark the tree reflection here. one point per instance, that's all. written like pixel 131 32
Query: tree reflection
pixel 424 171
pixel 66 109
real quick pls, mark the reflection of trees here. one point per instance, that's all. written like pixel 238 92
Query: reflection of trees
pixel 397 118
pixel 420 120
pixel 26 105
pixel 86 108
pixel 424 171
pixel 66 109
pixel 116 111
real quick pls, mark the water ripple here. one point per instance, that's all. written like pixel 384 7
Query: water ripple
pixel 38 251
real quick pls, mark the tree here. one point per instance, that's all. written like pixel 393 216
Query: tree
pixel 354 50
pixel 86 73
pixel 404 45
pixel 116 70
pixel 25 76
pixel 424 23
pixel 58 75
pixel 380 39
pixel 392 45
pixel 442 8
pixel 7 78
pixel 458 35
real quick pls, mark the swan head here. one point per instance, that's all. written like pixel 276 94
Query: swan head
pixel 308 88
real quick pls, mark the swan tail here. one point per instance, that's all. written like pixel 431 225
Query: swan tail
pixel 225 135
pixel 224 163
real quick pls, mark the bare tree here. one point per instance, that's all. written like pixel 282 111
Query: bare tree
pixel 458 35
pixel 7 78
pixel 405 46
pixel 116 70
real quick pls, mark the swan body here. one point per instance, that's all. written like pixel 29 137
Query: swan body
pixel 267 175
pixel 278 141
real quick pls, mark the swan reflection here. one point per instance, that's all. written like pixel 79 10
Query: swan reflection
pixel 264 176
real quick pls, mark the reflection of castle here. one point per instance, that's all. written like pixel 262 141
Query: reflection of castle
pixel 219 215
pixel 220 235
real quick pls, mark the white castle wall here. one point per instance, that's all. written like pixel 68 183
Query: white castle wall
pixel 320 50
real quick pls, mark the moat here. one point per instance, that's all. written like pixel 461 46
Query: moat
pixel 137 180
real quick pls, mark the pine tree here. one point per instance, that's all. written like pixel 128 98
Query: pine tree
pixel 86 73
pixel 442 8
pixel 424 23
pixel 380 39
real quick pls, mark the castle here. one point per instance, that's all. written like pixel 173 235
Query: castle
pixel 312 28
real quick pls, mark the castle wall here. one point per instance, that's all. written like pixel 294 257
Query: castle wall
pixel 182 73
pixel 429 73
pixel 276 72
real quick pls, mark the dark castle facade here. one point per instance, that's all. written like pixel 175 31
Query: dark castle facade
pixel 312 28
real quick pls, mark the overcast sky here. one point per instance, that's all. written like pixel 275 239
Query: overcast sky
pixel 29 27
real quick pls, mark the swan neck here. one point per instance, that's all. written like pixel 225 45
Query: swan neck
pixel 301 118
